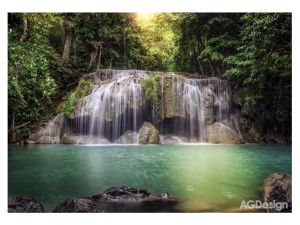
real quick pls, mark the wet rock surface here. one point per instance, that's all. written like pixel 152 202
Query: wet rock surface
pixel 50 134
pixel 278 187
pixel 148 134
pixel 76 205
pixel 218 133
pixel 24 204
pixel 196 105
pixel 120 199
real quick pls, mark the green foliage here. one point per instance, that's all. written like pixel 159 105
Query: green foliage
pixel 204 41
pixel 83 89
pixel 158 39
pixel 69 105
pixel 252 50
pixel 119 34
pixel 261 70
pixel 152 87
pixel 36 77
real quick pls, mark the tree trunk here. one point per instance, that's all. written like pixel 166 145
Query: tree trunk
pixel 67 46
pixel 12 136
pixel 92 60
pixel 25 29
pixel 213 73
pixel 100 52
pixel 197 59
pixel 124 53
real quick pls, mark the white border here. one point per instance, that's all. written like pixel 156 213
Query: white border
pixel 148 6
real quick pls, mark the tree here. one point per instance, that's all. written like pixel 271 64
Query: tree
pixel 69 35
pixel 31 83
pixel 261 71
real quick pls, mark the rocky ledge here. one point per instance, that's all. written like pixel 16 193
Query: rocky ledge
pixel 120 199
pixel 24 204
pixel 115 199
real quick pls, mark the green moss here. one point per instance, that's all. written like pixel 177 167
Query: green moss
pixel 83 89
pixel 152 88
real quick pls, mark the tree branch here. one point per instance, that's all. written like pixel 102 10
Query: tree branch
pixel 22 125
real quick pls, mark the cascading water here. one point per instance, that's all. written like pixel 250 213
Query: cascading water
pixel 192 110
pixel 114 107
pixel 198 102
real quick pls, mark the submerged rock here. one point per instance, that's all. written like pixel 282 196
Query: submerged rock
pixel 218 133
pixel 148 134
pixel 120 199
pixel 24 204
pixel 278 187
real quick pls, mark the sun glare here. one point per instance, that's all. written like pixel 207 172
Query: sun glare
pixel 145 15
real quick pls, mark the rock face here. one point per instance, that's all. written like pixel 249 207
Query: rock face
pixel 51 134
pixel 192 106
pixel 167 97
pixel 123 199
pixel 218 133
pixel 148 134
pixel 24 204
pixel 76 205
pixel 124 193
pixel 278 188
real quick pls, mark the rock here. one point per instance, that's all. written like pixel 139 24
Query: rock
pixel 218 133
pixel 210 108
pixel 24 204
pixel 148 134
pixel 122 194
pixel 76 205
pixel 209 115
pixel 278 187
pixel 167 98
pixel 50 134
pixel 129 137
pixel 120 199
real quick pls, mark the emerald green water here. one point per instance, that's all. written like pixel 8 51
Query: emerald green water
pixel 201 177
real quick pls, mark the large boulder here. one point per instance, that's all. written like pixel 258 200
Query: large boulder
pixel 278 187
pixel 218 133
pixel 148 134
pixel 24 204
pixel 120 199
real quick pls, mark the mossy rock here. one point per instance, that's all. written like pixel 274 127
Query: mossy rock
pixel 148 134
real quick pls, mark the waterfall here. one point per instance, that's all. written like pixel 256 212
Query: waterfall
pixel 192 110
pixel 199 102
pixel 113 107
